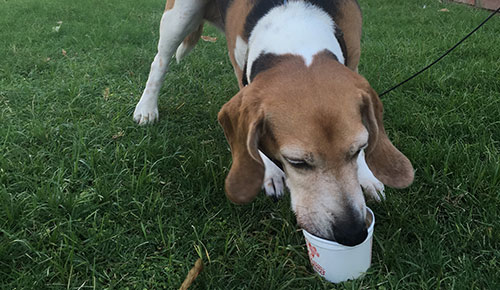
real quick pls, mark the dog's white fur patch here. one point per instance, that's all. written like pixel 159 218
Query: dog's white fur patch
pixel 182 51
pixel 240 52
pixel 296 28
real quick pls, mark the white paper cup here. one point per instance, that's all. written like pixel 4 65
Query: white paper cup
pixel 336 262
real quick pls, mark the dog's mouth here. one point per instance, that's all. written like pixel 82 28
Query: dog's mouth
pixel 344 238
pixel 348 232
pixel 344 235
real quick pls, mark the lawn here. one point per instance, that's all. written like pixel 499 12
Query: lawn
pixel 88 199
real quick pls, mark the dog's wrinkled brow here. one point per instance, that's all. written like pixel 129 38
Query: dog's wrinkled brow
pixel 297 154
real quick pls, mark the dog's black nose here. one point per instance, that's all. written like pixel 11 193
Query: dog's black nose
pixel 350 233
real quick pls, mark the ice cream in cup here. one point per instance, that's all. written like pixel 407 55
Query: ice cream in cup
pixel 336 262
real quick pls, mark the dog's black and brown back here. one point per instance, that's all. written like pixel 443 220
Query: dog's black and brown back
pixel 345 13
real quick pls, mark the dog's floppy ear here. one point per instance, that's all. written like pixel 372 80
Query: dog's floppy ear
pixel 242 120
pixel 385 161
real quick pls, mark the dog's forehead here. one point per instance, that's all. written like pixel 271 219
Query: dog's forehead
pixel 313 106
pixel 317 128
pixel 312 110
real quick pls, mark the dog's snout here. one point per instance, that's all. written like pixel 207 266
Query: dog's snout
pixel 350 233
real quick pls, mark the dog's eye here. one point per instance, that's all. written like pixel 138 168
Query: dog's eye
pixel 355 154
pixel 298 163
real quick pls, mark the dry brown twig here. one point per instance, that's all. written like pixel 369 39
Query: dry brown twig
pixel 193 273
pixel 209 38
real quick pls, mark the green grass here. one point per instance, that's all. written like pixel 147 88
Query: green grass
pixel 90 200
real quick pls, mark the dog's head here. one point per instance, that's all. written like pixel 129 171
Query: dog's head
pixel 314 121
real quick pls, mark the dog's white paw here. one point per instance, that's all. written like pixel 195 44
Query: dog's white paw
pixel 372 187
pixel 146 112
pixel 274 178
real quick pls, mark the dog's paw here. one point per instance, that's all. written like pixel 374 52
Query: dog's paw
pixel 274 179
pixel 146 113
pixel 372 187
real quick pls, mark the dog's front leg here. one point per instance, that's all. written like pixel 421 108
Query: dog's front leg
pixel 372 187
pixel 274 178
pixel 183 18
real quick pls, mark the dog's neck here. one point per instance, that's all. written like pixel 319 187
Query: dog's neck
pixel 297 28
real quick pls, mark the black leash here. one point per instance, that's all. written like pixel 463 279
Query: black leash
pixel 442 56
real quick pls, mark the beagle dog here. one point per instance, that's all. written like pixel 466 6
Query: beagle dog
pixel 301 105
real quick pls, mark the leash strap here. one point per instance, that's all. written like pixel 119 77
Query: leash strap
pixel 442 56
